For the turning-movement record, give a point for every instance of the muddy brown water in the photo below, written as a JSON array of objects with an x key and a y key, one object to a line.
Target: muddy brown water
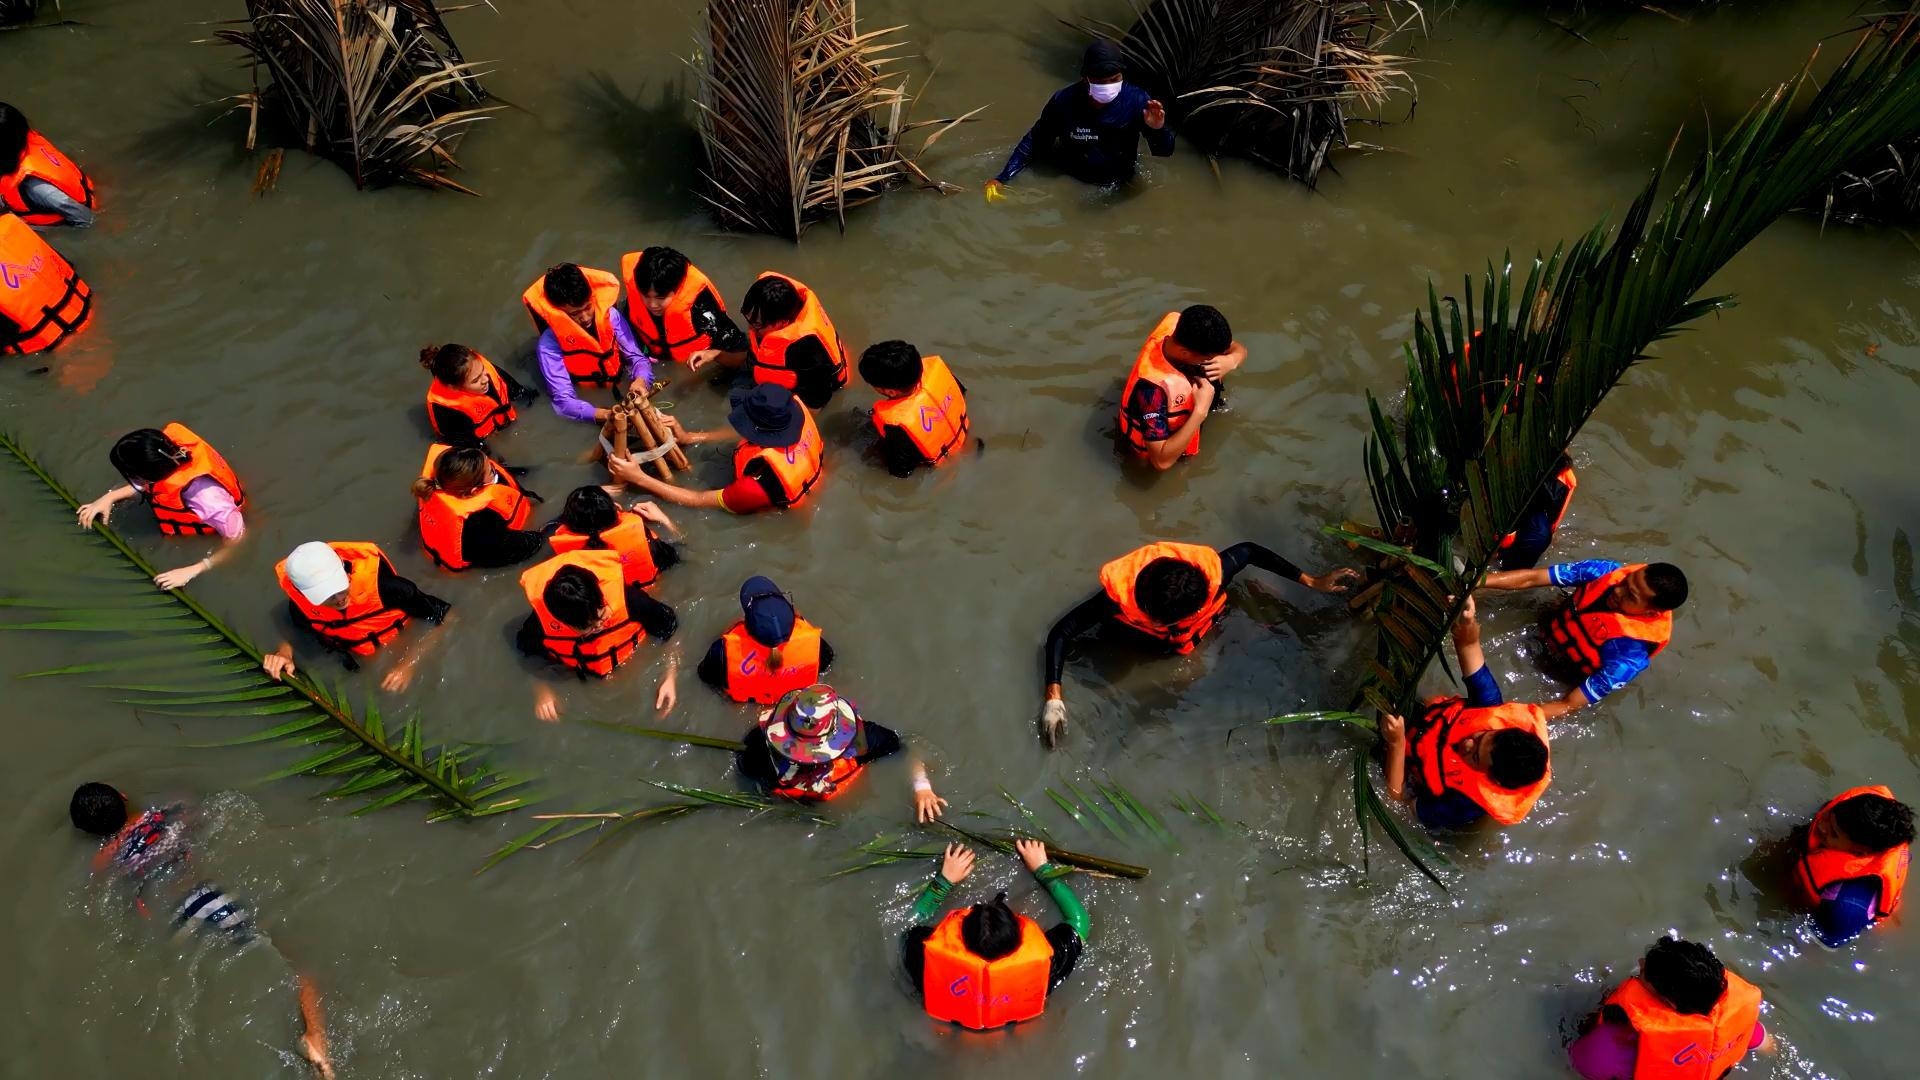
[{"x": 1769, "y": 452}]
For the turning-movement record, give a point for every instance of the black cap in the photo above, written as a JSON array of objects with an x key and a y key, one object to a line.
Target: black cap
[{"x": 1103, "y": 60}]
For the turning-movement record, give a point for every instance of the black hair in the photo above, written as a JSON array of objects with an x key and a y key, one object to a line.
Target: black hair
[
  {"x": 573, "y": 596},
  {"x": 98, "y": 808},
  {"x": 447, "y": 363},
  {"x": 589, "y": 512},
  {"x": 1669, "y": 585},
  {"x": 1686, "y": 974},
  {"x": 1518, "y": 759},
  {"x": 13, "y": 137},
  {"x": 891, "y": 365},
  {"x": 661, "y": 271},
  {"x": 146, "y": 455},
  {"x": 1204, "y": 330},
  {"x": 1875, "y": 821},
  {"x": 566, "y": 286},
  {"x": 771, "y": 300},
  {"x": 990, "y": 931},
  {"x": 459, "y": 472},
  {"x": 1169, "y": 590}
]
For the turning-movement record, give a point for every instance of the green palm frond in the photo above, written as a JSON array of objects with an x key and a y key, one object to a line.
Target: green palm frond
[{"x": 167, "y": 655}]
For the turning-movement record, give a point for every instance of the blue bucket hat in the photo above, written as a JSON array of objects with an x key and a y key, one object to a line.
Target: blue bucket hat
[{"x": 766, "y": 415}]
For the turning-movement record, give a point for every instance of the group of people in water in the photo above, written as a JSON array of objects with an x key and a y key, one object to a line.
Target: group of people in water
[{"x": 1460, "y": 759}]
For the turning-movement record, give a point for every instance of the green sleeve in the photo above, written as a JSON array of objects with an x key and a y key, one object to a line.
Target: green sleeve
[
  {"x": 1054, "y": 877},
  {"x": 933, "y": 897}
]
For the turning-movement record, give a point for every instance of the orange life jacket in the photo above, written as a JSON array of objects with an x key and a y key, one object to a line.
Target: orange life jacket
[
  {"x": 443, "y": 517},
  {"x": 1117, "y": 578},
  {"x": 629, "y": 538},
  {"x": 934, "y": 416},
  {"x": 1821, "y": 866},
  {"x": 840, "y": 775},
  {"x": 797, "y": 467},
  {"x": 1578, "y": 631},
  {"x": 591, "y": 359},
  {"x": 168, "y": 497},
  {"x": 1682, "y": 1046},
  {"x": 751, "y": 678},
  {"x": 671, "y": 335},
  {"x": 595, "y": 652},
  {"x": 42, "y": 298},
  {"x": 42, "y": 162},
  {"x": 960, "y": 986},
  {"x": 1441, "y": 769},
  {"x": 1571, "y": 483},
  {"x": 367, "y": 622},
  {"x": 489, "y": 412},
  {"x": 1153, "y": 366},
  {"x": 770, "y": 348}
]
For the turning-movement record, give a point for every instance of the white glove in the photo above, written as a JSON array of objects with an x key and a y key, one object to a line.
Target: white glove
[{"x": 1053, "y": 721}]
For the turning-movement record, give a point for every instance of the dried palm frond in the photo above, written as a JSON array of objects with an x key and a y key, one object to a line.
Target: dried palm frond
[
  {"x": 798, "y": 116},
  {"x": 1274, "y": 81},
  {"x": 377, "y": 86}
]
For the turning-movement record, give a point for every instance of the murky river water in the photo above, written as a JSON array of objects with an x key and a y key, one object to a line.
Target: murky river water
[{"x": 1769, "y": 453}]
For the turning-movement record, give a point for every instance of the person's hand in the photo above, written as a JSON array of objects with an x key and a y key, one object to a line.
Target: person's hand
[
  {"x": 1203, "y": 394},
  {"x": 1335, "y": 581},
  {"x": 927, "y": 805},
  {"x": 277, "y": 665},
  {"x": 650, "y": 511},
  {"x": 665, "y": 698},
  {"x": 1393, "y": 729},
  {"x": 1468, "y": 614},
  {"x": 1155, "y": 114},
  {"x": 1216, "y": 367},
  {"x": 399, "y": 678},
  {"x": 676, "y": 429},
  {"x": 179, "y": 576},
  {"x": 702, "y": 358},
  {"x": 957, "y": 863},
  {"x": 97, "y": 510},
  {"x": 1032, "y": 852},
  {"x": 1053, "y": 721},
  {"x": 601, "y": 416},
  {"x": 995, "y": 192},
  {"x": 624, "y": 469},
  {"x": 546, "y": 706}
]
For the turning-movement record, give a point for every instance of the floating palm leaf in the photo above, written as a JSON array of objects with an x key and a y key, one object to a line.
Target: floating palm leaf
[{"x": 170, "y": 656}]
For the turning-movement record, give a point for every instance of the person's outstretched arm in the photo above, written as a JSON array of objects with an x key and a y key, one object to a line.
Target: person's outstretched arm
[
  {"x": 1070, "y": 937},
  {"x": 1247, "y": 553},
  {"x": 553, "y": 372},
  {"x": 1040, "y": 137},
  {"x": 1086, "y": 615},
  {"x": 1508, "y": 580},
  {"x": 625, "y": 471},
  {"x": 955, "y": 865}
]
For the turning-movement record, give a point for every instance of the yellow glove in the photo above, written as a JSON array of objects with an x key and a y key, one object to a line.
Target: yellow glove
[{"x": 994, "y": 194}]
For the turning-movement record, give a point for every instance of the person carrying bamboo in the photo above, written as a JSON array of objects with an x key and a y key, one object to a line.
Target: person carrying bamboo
[
  {"x": 1092, "y": 129},
  {"x": 778, "y": 457},
  {"x": 814, "y": 744},
  {"x": 985, "y": 966},
  {"x": 349, "y": 597},
  {"x": 1618, "y": 619},
  {"x": 584, "y": 340}
]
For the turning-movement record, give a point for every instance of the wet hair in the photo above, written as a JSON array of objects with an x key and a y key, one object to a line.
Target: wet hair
[
  {"x": 447, "y": 363},
  {"x": 1204, "y": 330},
  {"x": 566, "y": 286},
  {"x": 990, "y": 931},
  {"x": 1686, "y": 974},
  {"x": 891, "y": 365},
  {"x": 459, "y": 471},
  {"x": 13, "y": 137},
  {"x": 589, "y": 512},
  {"x": 1875, "y": 821},
  {"x": 661, "y": 271},
  {"x": 98, "y": 808},
  {"x": 1169, "y": 590},
  {"x": 573, "y": 596},
  {"x": 771, "y": 300},
  {"x": 1668, "y": 584},
  {"x": 1518, "y": 759},
  {"x": 146, "y": 455}
]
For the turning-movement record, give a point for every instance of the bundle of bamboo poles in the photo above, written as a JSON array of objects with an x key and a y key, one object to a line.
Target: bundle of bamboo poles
[{"x": 637, "y": 419}]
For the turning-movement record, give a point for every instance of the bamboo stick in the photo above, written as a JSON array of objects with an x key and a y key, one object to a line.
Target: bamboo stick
[
  {"x": 648, "y": 442},
  {"x": 620, "y": 433},
  {"x": 655, "y": 421}
]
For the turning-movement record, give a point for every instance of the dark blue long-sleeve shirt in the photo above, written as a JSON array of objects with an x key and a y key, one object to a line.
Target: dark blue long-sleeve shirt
[{"x": 1099, "y": 144}]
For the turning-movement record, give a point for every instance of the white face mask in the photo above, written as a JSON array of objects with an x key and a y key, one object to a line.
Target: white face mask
[{"x": 1104, "y": 93}]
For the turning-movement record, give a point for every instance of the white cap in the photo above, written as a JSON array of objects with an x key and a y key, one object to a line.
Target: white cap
[{"x": 316, "y": 571}]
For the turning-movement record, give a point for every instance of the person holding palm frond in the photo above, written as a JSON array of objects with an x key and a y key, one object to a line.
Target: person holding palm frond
[
  {"x": 350, "y": 598},
  {"x": 1619, "y": 618},
  {"x": 1092, "y": 129},
  {"x": 814, "y": 744},
  {"x": 188, "y": 485}
]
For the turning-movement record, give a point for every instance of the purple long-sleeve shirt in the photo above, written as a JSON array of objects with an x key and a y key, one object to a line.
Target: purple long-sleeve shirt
[{"x": 553, "y": 369}]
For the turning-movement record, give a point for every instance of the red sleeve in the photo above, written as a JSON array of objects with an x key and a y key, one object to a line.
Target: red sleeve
[{"x": 745, "y": 496}]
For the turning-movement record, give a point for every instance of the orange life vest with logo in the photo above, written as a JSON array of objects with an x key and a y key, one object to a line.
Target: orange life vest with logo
[
  {"x": 1118, "y": 576},
  {"x": 1571, "y": 483},
  {"x": 961, "y": 987},
  {"x": 1152, "y": 365},
  {"x": 1441, "y": 770},
  {"x": 367, "y": 622},
  {"x": 1682, "y": 1046},
  {"x": 839, "y": 779},
  {"x": 1821, "y": 866},
  {"x": 443, "y": 517},
  {"x": 797, "y": 467},
  {"x": 934, "y": 416},
  {"x": 594, "y": 652},
  {"x": 42, "y": 162},
  {"x": 751, "y": 678},
  {"x": 591, "y": 359},
  {"x": 629, "y": 538},
  {"x": 42, "y": 299},
  {"x": 489, "y": 412},
  {"x": 770, "y": 348},
  {"x": 168, "y": 497},
  {"x": 1579, "y": 630},
  {"x": 670, "y": 335}
]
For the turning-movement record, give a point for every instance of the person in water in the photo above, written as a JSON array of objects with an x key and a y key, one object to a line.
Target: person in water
[
  {"x": 1851, "y": 861},
  {"x": 38, "y": 183},
  {"x": 469, "y": 398},
  {"x": 1163, "y": 597},
  {"x": 1619, "y": 617},
  {"x": 984, "y": 966},
  {"x": 1092, "y": 129},
  {"x": 584, "y": 340},
  {"x": 791, "y": 341},
  {"x": 149, "y": 851},
  {"x": 814, "y": 744},
  {"x": 592, "y": 521},
  {"x": 778, "y": 457},
  {"x": 769, "y": 653},
  {"x": 348, "y": 596},
  {"x": 1522, "y": 548},
  {"x": 1684, "y": 1016},
  {"x": 1175, "y": 385},
  {"x": 190, "y": 488},
  {"x": 590, "y": 620},
  {"x": 922, "y": 412},
  {"x": 472, "y": 510},
  {"x": 676, "y": 311},
  {"x": 1472, "y": 757}
]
